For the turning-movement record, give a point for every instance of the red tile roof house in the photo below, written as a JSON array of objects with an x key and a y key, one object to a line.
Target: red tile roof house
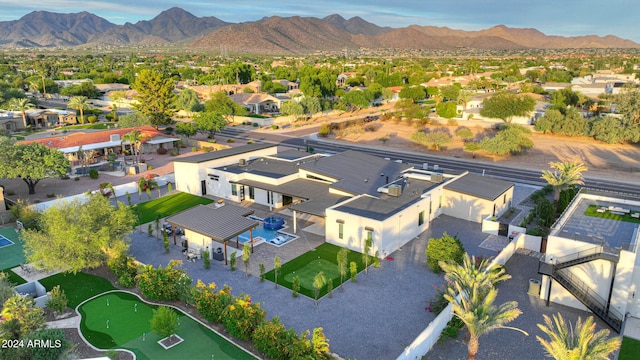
[{"x": 101, "y": 143}]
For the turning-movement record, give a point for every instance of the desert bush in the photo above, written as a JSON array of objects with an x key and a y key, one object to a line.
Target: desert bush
[
  {"x": 324, "y": 130},
  {"x": 446, "y": 248},
  {"x": 94, "y": 174}
]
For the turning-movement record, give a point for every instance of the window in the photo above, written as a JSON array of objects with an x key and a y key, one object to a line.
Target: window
[
  {"x": 421, "y": 218},
  {"x": 252, "y": 194},
  {"x": 234, "y": 189},
  {"x": 214, "y": 177},
  {"x": 504, "y": 199},
  {"x": 340, "y": 231},
  {"x": 440, "y": 205},
  {"x": 369, "y": 235}
]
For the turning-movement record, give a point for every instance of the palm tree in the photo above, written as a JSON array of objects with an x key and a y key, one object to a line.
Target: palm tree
[
  {"x": 479, "y": 314},
  {"x": 79, "y": 103},
  {"x": 134, "y": 138},
  {"x": 22, "y": 105},
  {"x": 566, "y": 343},
  {"x": 472, "y": 272},
  {"x": 564, "y": 175}
]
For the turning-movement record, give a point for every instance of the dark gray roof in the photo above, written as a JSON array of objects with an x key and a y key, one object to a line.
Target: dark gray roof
[
  {"x": 381, "y": 208},
  {"x": 220, "y": 224},
  {"x": 318, "y": 206},
  {"x": 214, "y": 155},
  {"x": 356, "y": 172},
  {"x": 302, "y": 188},
  {"x": 479, "y": 186},
  {"x": 264, "y": 167},
  {"x": 292, "y": 155}
]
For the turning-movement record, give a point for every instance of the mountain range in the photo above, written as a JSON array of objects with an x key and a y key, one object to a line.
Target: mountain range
[{"x": 276, "y": 35}]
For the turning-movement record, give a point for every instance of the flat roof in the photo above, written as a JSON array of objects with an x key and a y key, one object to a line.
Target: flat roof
[
  {"x": 318, "y": 206},
  {"x": 385, "y": 206},
  {"x": 264, "y": 167},
  {"x": 302, "y": 188},
  {"x": 292, "y": 155},
  {"x": 214, "y": 155},
  {"x": 358, "y": 172},
  {"x": 479, "y": 186},
  {"x": 220, "y": 224}
]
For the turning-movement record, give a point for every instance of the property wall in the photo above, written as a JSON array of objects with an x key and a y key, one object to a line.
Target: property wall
[
  {"x": 471, "y": 208},
  {"x": 633, "y": 305}
]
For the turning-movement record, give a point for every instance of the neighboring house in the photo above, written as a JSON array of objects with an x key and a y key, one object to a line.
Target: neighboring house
[
  {"x": 257, "y": 103},
  {"x": 11, "y": 121},
  {"x": 474, "y": 107},
  {"x": 591, "y": 263},
  {"x": 49, "y": 118},
  {"x": 354, "y": 194}
]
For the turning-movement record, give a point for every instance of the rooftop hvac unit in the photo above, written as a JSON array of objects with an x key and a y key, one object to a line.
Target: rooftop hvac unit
[
  {"x": 395, "y": 190},
  {"x": 436, "y": 167},
  {"x": 242, "y": 162},
  {"x": 425, "y": 166},
  {"x": 437, "y": 178},
  {"x": 114, "y": 137}
]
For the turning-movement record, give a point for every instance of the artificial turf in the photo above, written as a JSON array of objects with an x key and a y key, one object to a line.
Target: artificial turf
[
  {"x": 129, "y": 318},
  {"x": 591, "y": 211},
  {"x": 167, "y": 206},
  {"x": 14, "y": 278},
  {"x": 78, "y": 287},
  {"x": 630, "y": 349},
  {"x": 308, "y": 265}
]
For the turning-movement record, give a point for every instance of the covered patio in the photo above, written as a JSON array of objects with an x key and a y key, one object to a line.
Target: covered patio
[{"x": 219, "y": 222}]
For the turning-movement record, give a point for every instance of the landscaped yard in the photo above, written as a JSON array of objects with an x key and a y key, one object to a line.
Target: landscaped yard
[
  {"x": 96, "y": 126},
  {"x": 592, "y": 211},
  {"x": 167, "y": 206},
  {"x": 78, "y": 287},
  {"x": 630, "y": 349},
  {"x": 121, "y": 320},
  {"x": 307, "y": 265}
]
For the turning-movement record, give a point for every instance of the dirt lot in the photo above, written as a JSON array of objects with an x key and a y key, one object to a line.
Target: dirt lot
[{"x": 617, "y": 161}]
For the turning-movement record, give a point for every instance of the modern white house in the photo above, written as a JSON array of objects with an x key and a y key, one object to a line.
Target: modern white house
[
  {"x": 591, "y": 260},
  {"x": 355, "y": 195}
]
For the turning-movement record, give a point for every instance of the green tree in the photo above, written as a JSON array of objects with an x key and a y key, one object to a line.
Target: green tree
[
  {"x": 86, "y": 89},
  {"x": 76, "y": 235},
  {"x": 353, "y": 269},
  {"x": 366, "y": 248},
  {"x": 505, "y": 106},
  {"x": 581, "y": 342},
  {"x": 319, "y": 281},
  {"x": 32, "y": 163},
  {"x": 58, "y": 299},
  {"x": 549, "y": 120},
  {"x": 446, "y": 110},
  {"x": 22, "y": 105},
  {"x": 342, "y": 260},
  {"x": 465, "y": 134},
  {"x": 292, "y": 107},
  {"x": 573, "y": 124},
  {"x": 415, "y": 93},
  {"x": 164, "y": 321},
  {"x": 628, "y": 105},
  {"x": 320, "y": 342},
  {"x": 132, "y": 120},
  {"x": 186, "y": 129},
  {"x": 246, "y": 256},
  {"x": 221, "y": 103},
  {"x": 311, "y": 105},
  {"x": 276, "y": 268},
  {"x": 23, "y": 311},
  {"x": 477, "y": 311},
  {"x": 187, "y": 100},
  {"x": 80, "y": 103},
  {"x": 446, "y": 248},
  {"x": 564, "y": 174},
  {"x": 6, "y": 287},
  {"x": 154, "y": 96},
  {"x": 510, "y": 140},
  {"x": 472, "y": 272},
  {"x": 210, "y": 122},
  {"x": 435, "y": 139}
]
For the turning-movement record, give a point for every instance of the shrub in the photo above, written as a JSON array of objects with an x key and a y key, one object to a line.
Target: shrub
[
  {"x": 255, "y": 124},
  {"x": 194, "y": 149},
  {"x": 324, "y": 130},
  {"x": 165, "y": 241},
  {"x": 437, "y": 303},
  {"x": 250, "y": 142},
  {"x": 270, "y": 339},
  {"x": 242, "y": 317},
  {"x": 76, "y": 179},
  {"x": 452, "y": 122},
  {"x": 206, "y": 149},
  {"x": 453, "y": 328},
  {"x": 169, "y": 283},
  {"x": 446, "y": 248},
  {"x": 295, "y": 287},
  {"x": 164, "y": 321},
  {"x": 57, "y": 348},
  {"x": 51, "y": 195},
  {"x": 174, "y": 152},
  {"x": 212, "y": 141},
  {"x": 261, "y": 266},
  {"x": 230, "y": 141},
  {"x": 274, "y": 127},
  {"x": 150, "y": 229},
  {"x": 206, "y": 260},
  {"x": 162, "y": 151},
  {"x": 353, "y": 268},
  {"x": 58, "y": 299},
  {"x": 93, "y": 173},
  {"x": 211, "y": 304},
  {"x": 92, "y": 119}
]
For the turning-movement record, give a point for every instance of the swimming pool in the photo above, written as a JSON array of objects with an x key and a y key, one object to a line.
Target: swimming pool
[
  {"x": 275, "y": 237},
  {"x": 4, "y": 241}
]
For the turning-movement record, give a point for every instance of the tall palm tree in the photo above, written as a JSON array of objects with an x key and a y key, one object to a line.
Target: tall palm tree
[
  {"x": 22, "y": 105},
  {"x": 564, "y": 174},
  {"x": 480, "y": 315},
  {"x": 79, "y": 103},
  {"x": 567, "y": 343},
  {"x": 134, "y": 137},
  {"x": 471, "y": 272}
]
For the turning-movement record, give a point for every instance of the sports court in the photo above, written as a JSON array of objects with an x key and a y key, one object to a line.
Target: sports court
[{"x": 11, "y": 252}]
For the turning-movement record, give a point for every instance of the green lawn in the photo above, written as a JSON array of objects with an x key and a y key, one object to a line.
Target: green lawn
[
  {"x": 11, "y": 255},
  {"x": 78, "y": 287},
  {"x": 630, "y": 349},
  {"x": 129, "y": 318},
  {"x": 14, "y": 278},
  {"x": 591, "y": 211},
  {"x": 307, "y": 265},
  {"x": 98, "y": 126},
  {"x": 167, "y": 206}
]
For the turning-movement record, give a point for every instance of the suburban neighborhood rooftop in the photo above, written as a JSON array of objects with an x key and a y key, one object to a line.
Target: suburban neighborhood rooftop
[
  {"x": 214, "y": 155},
  {"x": 479, "y": 186}
]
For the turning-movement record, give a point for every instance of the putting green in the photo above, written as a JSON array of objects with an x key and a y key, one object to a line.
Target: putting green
[
  {"x": 309, "y": 271},
  {"x": 129, "y": 328}
]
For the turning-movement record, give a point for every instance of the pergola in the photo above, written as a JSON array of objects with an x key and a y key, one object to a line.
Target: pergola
[{"x": 221, "y": 222}]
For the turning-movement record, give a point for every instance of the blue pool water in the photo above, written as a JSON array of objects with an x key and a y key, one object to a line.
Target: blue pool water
[
  {"x": 272, "y": 236},
  {"x": 4, "y": 241}
]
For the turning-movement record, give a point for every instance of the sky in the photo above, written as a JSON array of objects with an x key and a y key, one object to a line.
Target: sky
[{"x": 557, "y": 17}]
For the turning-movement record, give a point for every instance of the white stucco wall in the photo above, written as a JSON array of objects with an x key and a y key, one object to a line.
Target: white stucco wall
[{"x": 471, "y": 208}]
